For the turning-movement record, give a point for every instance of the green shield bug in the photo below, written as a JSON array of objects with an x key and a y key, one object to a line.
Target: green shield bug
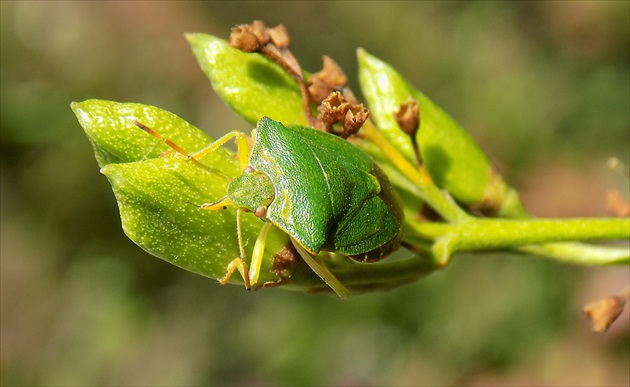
[{"x": 325, "y": 193}]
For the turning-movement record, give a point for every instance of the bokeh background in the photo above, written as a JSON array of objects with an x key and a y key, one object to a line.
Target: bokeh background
[{"x": 543, "y": 86}]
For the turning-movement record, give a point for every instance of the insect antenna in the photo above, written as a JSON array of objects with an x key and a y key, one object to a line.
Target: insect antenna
[
  {"x": 179, "y": 151},
  {"x": 168, "y": 142}
]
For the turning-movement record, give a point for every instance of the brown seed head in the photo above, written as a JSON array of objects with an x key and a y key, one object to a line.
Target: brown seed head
[
  {"x": 354, "y": 119},
  {"x": 408, "y": 117},
  {"x": 249, "y": 37},
  {"x": 333, "y": 109}
]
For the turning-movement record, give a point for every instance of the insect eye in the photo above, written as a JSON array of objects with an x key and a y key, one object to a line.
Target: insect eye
[{"x": 260, "y": 212}]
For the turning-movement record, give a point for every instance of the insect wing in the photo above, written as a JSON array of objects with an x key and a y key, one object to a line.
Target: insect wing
[{"x": 373, "y": 230}]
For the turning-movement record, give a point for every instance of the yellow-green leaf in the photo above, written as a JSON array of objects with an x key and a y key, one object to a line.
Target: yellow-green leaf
[
  {"x": 252, "y": 85},
  {"x": 452, "y": 157}
]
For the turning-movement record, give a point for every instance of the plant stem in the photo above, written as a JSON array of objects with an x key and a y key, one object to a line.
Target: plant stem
[
  {"x": 478, "y": 234},
  {"x": 571, "y": 252},
  {"x": 581, "y": 253}
]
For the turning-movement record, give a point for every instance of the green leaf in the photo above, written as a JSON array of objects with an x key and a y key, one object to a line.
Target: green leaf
[
  {"x": 158, "y": 197},
  {"x": 454, "y": 160},
  {"x": 158, "y": 201},
  {"x": 252, "y": 85},
  {"x": 116, "y": 139}
]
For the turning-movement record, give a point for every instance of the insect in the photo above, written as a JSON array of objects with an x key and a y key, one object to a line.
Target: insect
[{"x": 325, "y": 193}]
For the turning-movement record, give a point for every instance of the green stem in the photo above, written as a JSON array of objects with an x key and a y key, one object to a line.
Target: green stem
[
  {"x": 581, "y": 253},
  {"x": 486, "y": 234}
]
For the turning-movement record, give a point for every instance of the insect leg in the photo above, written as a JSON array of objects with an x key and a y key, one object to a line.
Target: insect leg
[
  {"x": 238, "y": 263},
  {"x": 322, "y": 271},
  {"x": 241, "y": 266},
  {"x": 241, "y": 144},
  {"x": 257, "y": 254}
]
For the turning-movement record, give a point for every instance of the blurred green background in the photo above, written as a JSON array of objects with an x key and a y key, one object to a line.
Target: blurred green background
[{"x": 543, "y": 86}]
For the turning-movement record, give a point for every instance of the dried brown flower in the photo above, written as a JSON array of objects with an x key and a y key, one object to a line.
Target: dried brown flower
[
  {"x": 333, "y": 109},
  {"x": 249, "y": 37},
  {"x": 355, "y": 118},
  {"x": 324, "y": 82},
  {"x": 408, "y": 117},
  {"x": 605, "y": 311},
  {"x": 279, "y": 36}
]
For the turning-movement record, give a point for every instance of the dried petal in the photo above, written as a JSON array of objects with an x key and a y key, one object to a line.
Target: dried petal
[
  {"x": 318, "y": 90},
  {"x": 258, "y": 28},
  {"x": 354, "y": 119},
  {"x": 324, "y": 82},
  {"x": 604, "y": 312},
  {"x": 332, "y": 74},
  {"x": 279, "y": 36}
]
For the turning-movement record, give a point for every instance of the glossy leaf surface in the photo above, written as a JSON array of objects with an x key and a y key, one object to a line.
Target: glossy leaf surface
[
  {"x": 250, "y": 84},
  {"x": 158, "y": 197}
]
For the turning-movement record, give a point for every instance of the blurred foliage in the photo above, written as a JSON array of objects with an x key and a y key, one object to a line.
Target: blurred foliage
[{"x": 543, "y": 86}]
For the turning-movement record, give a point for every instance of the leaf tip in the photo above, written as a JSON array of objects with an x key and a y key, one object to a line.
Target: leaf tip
[
  {"x": 103, "y": 170},
  {"x": 190, "y": 36},
  {"x": 81, "y": 113},
  {"x": 76, "y": 107},
  {"x": 198, "y": 39}
]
